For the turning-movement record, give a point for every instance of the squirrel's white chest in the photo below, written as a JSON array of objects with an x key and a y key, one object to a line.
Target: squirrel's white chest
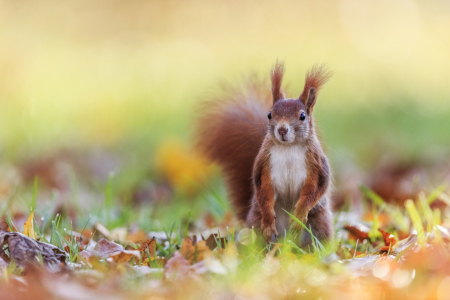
[{"x": 288, "y": 169}]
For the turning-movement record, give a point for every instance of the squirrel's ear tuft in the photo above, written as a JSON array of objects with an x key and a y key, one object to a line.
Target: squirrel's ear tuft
[
  {"x": 315, "y": 78},
  {"x": 276, "y": 76}
]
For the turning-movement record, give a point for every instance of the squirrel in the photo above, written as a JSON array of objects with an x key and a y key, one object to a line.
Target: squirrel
[{"x": 271, "y": 162}]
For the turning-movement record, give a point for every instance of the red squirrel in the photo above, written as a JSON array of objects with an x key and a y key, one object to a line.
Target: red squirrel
[{"x": 271, "y": 162}]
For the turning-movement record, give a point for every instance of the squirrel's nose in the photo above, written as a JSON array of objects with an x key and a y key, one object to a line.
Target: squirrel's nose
[{"x": 282, "y": 130}]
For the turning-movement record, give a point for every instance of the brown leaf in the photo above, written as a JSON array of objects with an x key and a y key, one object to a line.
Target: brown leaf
[
  {"x": 23, "y": 249},
  {"x": 187, "y": 248},
  {"x": 389, "y": 239},
  {"x": 211, "y": 241},
  {"x": 202, "y": 251},
  {"x": 194, "y": 253},
  {"x": 106, "y": 249},
  {"x": 357, "y": 234},
  {"x": 385, "y": 250},
  {"x": 124, "y": 256},
  {"x": 150, "y": 245},
  {"x": 176, "y": 266}
]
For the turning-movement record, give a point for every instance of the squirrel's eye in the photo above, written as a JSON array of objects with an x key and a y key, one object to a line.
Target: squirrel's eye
[
  {"x": 269, "y": 116},
  {"x": 302, "y": 116}
]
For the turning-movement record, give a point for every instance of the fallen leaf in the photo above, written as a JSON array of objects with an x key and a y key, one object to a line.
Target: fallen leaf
[
  {"x": 386, "y": 250},
  {"x": 105, "y": 248},
  {"x": 202, "y": 251},
  {"x": 177, "y": 266},
  {"x": 110, "y": 250},
  {"x": 389, "y": 239},
  {"x": 212, "y": 241},
  {"x": 24, "y": 249},
  {"x": 357, "y": 234},
  {"x": 195, "y": 253},
  {"x": 187, "y": 248},
  {"x": 150, "y": 245},
  {"x": 28, "y": 228},
  {"x": 124, "y": 256}
]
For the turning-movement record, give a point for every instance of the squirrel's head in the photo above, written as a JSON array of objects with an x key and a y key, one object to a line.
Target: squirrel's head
[{"x": 290, "y": 120}]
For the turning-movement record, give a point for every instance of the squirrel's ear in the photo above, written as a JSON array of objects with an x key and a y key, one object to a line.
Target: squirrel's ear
[
  {"x": 309, "y": 99},
  {"x": 314, "y": 81},
  {"x": 276, "y": 76}
]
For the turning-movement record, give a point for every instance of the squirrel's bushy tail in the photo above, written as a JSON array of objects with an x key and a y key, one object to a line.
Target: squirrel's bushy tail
[{"x": 230, "y": 131}]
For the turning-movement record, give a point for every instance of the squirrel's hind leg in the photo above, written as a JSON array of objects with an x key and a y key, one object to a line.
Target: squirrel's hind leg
[{"x": 320, "y": 220}]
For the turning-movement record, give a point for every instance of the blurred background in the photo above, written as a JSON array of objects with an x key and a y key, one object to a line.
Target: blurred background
[{"x": 97, "y": 98}]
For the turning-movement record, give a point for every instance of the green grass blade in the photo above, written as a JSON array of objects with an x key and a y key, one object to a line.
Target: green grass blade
[
  {"x": 434, "y": 195},
  {"x": 372, "y": 195},
  {"x": 307, "y": 229},
  {"x": 294, "y": 245},
  {"x": 416, "y": 220}
]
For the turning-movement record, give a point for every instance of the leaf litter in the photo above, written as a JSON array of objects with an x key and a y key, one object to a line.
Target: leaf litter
[
  {"x": 118, "y": 262},
  {"x": 23, "y": 249}
]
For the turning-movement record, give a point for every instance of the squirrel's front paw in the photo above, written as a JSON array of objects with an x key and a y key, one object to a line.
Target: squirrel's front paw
[
  {"x": 297, "y": 227},
  {"x": 269, "y": 231}
]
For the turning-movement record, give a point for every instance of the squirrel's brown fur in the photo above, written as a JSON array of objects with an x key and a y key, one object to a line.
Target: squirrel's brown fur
[
  {"x": 229, "y": 131},
  {"x": 270, "y": 165}
]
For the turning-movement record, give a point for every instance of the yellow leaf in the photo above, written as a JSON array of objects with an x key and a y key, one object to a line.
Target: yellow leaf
[{"x": 28, "y": 228}]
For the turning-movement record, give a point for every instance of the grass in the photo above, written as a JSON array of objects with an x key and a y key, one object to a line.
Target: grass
[{"x": 239, "y": 268}]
